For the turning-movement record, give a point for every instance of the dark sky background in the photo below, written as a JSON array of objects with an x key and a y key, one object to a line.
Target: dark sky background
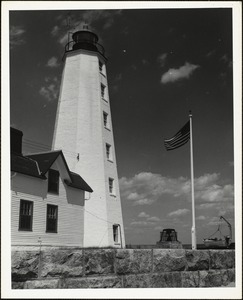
[{"x": 161, "y": 64}]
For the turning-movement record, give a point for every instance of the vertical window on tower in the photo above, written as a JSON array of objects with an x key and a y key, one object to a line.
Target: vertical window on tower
[
  {"x": 53, "y": 182},
  {"x": 25, "y": 215},
  {"x": 51, "y": 218},
  {"x": 111, "y": 187},
  {"x": 108, "y": 152},
  {"x": 102, "y": 89},
  {"x": 115, "y": 233},
  {"x": 105, "y": 119},
  {"x": 100, "y": 66}
]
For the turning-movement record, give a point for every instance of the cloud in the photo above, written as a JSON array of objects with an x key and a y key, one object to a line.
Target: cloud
[
  {"x": 200, "y": 218},
  {"x": 162, "y": 59},
  {"x": 179, "y": 212},
  {"x": 143, "y": 215},
  {"x": 51, "y": 89},
  {"x": 55, "y": 30},
  {"x": 16, "y": 36},
  {"x": 153, "y": 219},
  {"x": 52, "y": 62},
  {"x": 146, "y": 188},
  {"x": 183, "y": 72}
]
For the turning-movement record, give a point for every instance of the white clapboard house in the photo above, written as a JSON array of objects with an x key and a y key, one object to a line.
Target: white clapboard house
[{"x": 47, "y": 205}]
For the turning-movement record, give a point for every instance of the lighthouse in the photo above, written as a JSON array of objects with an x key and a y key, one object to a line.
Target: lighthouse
[{"x": 83, "y": 131}]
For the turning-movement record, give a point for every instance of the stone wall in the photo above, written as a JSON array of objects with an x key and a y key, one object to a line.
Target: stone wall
[{"x": 57, "y": 268}]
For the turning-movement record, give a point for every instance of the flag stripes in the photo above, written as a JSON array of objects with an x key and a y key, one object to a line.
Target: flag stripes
[{"x": 179, "y": 139}]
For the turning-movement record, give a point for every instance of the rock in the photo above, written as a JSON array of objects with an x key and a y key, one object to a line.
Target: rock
[
  {"x": 92, "y": 282},
  {"x": 197, "y": 260},
  {"x": 166, "y": 280},
  {"x": 222, "y": 259},
  {"x": 62, "y": 263},
  {"x": 169, "y": 260},
  {"x": 24, "y": 265},
  {"x": 190, "y": 279},
  {"x": 99, "y": 261},
  {"x": 132, "y": 261},
  {"x": 137, "y": 281}
]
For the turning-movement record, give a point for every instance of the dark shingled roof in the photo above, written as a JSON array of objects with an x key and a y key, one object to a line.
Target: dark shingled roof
[
  {"x": 45, "y": 161},
  {"x": 25, "y": 165},
  {"x": 79, "y": 183}
]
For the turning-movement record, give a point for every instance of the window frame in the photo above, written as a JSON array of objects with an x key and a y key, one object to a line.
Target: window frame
[
  {"x": 50, "y": 190},
  {"x": 116, "y": 234},
  {"x": 106, "y": 120},
  {"x": 108, "y": 150},
  {"x": 102, "y": 91},
  {"x": 48, "y": 230},
  {"x": 112, "y": 190},
  {"x": 21, "y": 228}
]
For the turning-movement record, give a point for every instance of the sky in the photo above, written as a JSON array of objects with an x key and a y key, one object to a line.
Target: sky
[{"x": 161, "y": 64}]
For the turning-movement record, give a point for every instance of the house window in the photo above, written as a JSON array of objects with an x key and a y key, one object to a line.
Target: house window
[
  {"x": 25, "y": 215},
  {"x": 102, "y": 89},
  {"x": 53, "y": 182},
  {"x": 105, "y": 118},
  {"x": 108, "y": 152},
  {"x": 115, "y": 233},
  {"x": 111, "y": 186},
  {"x": 51, "y": 218}
]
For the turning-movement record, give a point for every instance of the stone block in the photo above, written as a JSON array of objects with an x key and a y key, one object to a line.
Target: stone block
[
  {"x": 231, "y": 275},
  {"x": 210, "y": 278},
  {"x": 99, "y": 261},
  {"x": 190, "y": 279},
  {"x": 165, "y": 260},
  {"x": 92, "y": 282},
  {"x": 24, "y": 265},
  {"x": 197, "y": 260},
  {"x": 18, "y": 285},
  {"x": 131, "y": 261},
  {"x": 42, "y": 284},
  {"x": 137, "y": 281},
  {"x": 62, "y": 263},
  {"x": 166, "y": 280},
  {"x": 222, "y": 259}
]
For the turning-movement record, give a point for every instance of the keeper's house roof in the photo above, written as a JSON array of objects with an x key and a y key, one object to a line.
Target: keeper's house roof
[{"x": 37, "y": 165}]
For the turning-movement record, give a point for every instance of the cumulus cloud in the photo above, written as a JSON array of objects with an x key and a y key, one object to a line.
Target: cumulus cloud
[
  {"x": 200, "y": 218},
  {"x": 162, "y": 59},
  {"x": 53, "y": 62},
  {"x": 143, "y": 215},
  {"x": 183, "y": 72},
  {"x": 178, "y": 212},
  {"x": 146, "y": 188},
  {"x": 51, "y": 89},
  {"x": 16, "y": 36}
]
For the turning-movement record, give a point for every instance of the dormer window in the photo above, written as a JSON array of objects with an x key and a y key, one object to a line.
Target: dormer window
[{"x": 53, "y": 182}]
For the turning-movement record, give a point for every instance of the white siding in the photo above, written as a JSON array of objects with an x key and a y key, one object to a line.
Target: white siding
[{"x": 70, "y": 202}]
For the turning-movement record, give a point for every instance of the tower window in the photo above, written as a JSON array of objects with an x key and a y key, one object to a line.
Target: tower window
[
  {"x": 25, "y": 215},
  {"x": 115, "y": 233},
  {"x": 105, "y": 118},
  {"x": 100, "y": 66},
  {"x": 108, "y": 152},
  {"x": 51, "y": 218},
  {"x": 102, "y": 88},
  {"x": 53, "y": 182},
  {"x": 111, "y": 186}
]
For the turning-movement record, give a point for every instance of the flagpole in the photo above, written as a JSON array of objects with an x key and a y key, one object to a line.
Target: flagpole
[{"x": 193, "y": 230}]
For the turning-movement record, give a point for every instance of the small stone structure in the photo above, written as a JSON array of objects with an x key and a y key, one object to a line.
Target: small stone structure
[{"x": 75, "y": 268}]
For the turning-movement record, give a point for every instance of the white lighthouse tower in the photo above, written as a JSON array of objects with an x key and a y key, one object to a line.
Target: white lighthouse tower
[{"x": 83, "y": 130}]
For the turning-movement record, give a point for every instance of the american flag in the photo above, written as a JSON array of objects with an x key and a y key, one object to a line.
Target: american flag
[{"x": 179, "y": 139}]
